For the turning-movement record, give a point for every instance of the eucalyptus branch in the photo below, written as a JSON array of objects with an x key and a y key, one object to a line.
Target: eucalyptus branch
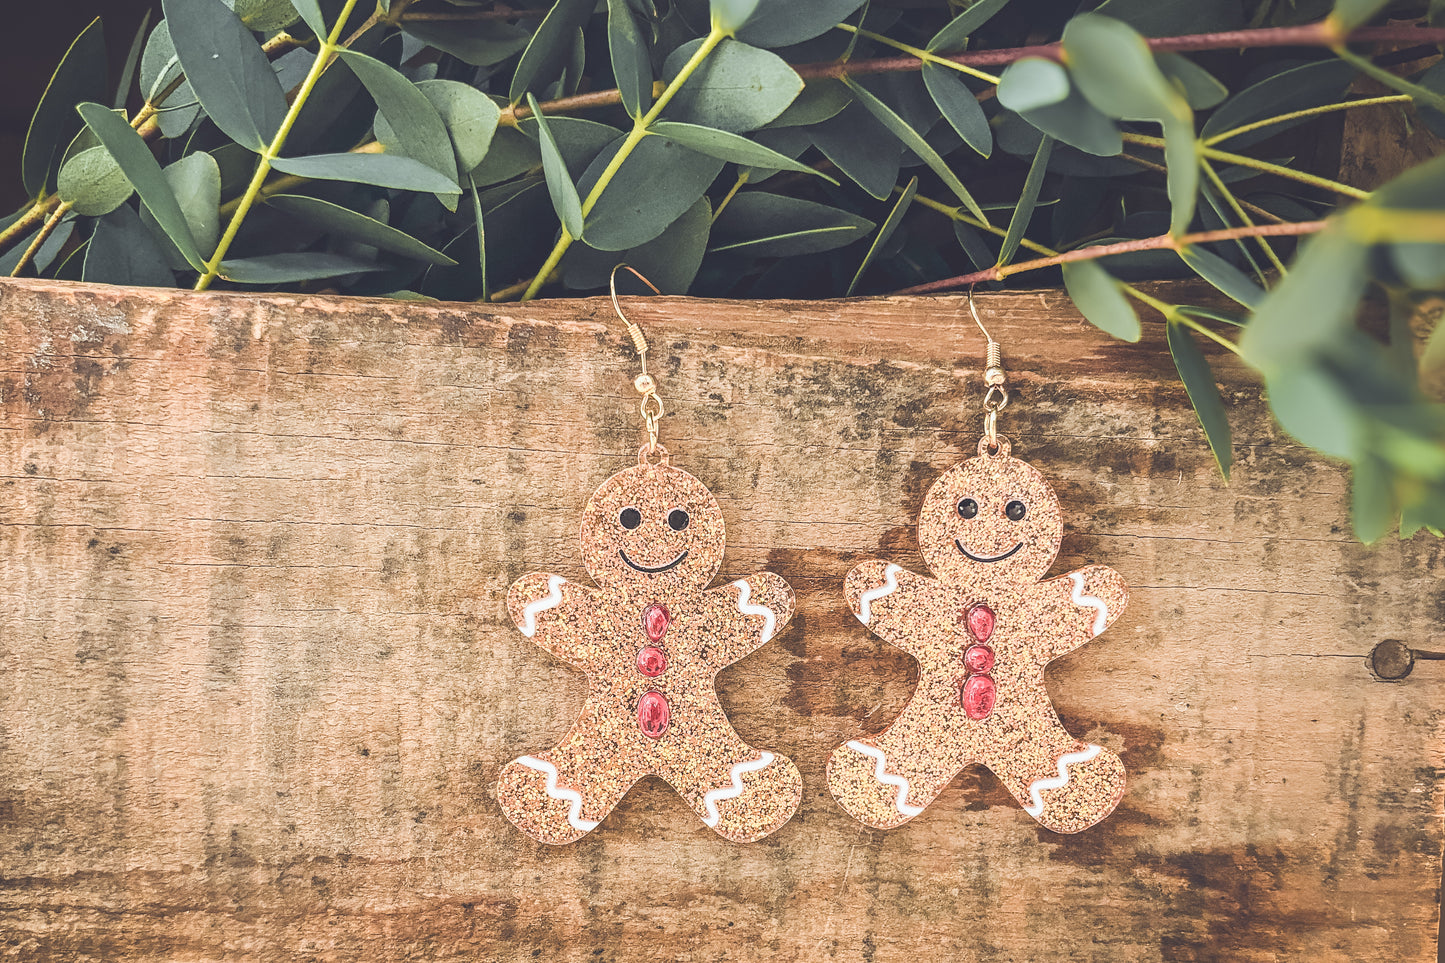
[
  {"x": 1266, "y": 167},
  {"x": 1239, "y": 212},
  {"x": 329, "y": 46},
  {"x": 1308, "y": 112},
  {"x": 50, "y": 225},
  {"x": 1159, "y": 242}
]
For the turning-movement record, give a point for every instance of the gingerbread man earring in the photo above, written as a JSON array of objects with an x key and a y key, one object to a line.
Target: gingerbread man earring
[
  {"x": 651, "y": 638},
  {"x": 982, "y": 631}
]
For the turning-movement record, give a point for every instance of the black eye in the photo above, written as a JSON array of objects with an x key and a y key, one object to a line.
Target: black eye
[
  {"x": 1015, "y": 510},
  {"x": 968, "y": 508},
  {"x": 677, "y": 519},
  {"x": 630, "y": 518}
]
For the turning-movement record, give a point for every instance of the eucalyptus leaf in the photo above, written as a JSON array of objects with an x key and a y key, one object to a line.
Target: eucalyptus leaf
[
  {"x": 1101, "y": 300},
  {"x": 351, "y": 224},
  {"x": 821, "y": 99},
  {"x": 310, "y": 11},
  {"x": 418, "y": 127},
  {"x": 468, "y": 115},
  {"x": 1077, "y": 123},
  {"x": 889, "y": 226},
  {"x": 559, "y": 183},
  {"x": 510, "y": 153},
  {"x": 862, "y": 148},
  {"x": 1229, "y": 279},
  {"x": 290, "y": 268},
  {"x": 578, "y": 141},
  {"x": 1028, "y": 199},
  {"x": 132, "y": 63},
  {"x": 481, "y": 43},
  {"x": 959, "y": 107},
  {"x": 1312, "y": 307},
  {"x": 1031, "y": 83},
  {"x": 382, "y": 170},
  {"x": 730, "y": 147},
  {"x": 1204, "y": 395},
  {"x": 227, "y": 69},
  {"x": 782, "y": 23},
  {"x": 631, "y": 63},
  {"x": 1349, "y": 14},
  {"x": 123, "y": 251},
  {"x": 195, "y": 181},
  {"x": 915, "y": 142},
  {"x": 960, "y": 28},
  {"x": 1155, "y": 19},
  {"x": 550, "y": 48},
  {"x": 145, "y": 174},
  {"x": 670, "y": 260},
  {"x": 92, "y": 183},
  {"x": 265, "y": 16},
  {"x": 1201, "y": 89},
  {"x": 773, "y": 225},
  {"x": 1314, "y": 407},
  {"x": 1287, "y": 91},
  {"x": 655, "y": 185},
  {"x": 80, "y": 76},
  {"x": 737, "y": 88}
]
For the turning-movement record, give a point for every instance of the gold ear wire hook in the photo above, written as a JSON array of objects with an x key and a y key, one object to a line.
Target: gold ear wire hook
[
  {"x": 652, "y": 409},
  {"x": 995, "y": 399}
]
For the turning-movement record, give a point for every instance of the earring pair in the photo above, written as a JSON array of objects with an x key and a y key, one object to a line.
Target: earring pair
[{"x": 652, "y": 637}]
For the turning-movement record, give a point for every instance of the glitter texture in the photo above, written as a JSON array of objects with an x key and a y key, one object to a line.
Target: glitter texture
[
  {"x": 1065, "y": 784},
  {"x": 741, "y": 792}
]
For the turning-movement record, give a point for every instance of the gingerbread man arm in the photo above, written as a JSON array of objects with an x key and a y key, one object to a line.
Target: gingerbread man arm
[
  {"x": 555, "y": 614},
  {"x": 1088, "y": 601},
  {"x": 744, "y": 614},
  {"x": 885, "y": 597}
]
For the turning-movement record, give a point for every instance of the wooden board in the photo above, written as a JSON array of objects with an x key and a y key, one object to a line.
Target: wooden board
[{"x": 258, "y": 679}]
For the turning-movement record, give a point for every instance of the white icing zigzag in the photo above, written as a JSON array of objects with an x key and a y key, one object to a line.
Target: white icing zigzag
[
  {"x": 881, "y": 773},
  {"x": 574, "y": 814},
  {"x": 1090, "y": 602},
  {"x": 711, "y": 800},
  {"x": 552, "y": 600},
  {"x": 866, "y": 600},
  {"x": 1039, "y": 786},
  {"x": 744, "y": 593}
]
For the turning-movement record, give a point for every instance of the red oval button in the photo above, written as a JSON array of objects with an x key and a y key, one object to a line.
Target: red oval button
[
  {"x": 978, "y": 658},
  {"x": 980, "y": 622},
  {"x": 655, "y": 619},
  {"x": 653, "y": 714},
  {"x": 651, "y": 661},
  {"x": 979, "y": 695}
]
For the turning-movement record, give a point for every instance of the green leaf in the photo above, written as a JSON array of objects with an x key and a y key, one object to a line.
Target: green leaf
[
  {"x": 782, "y": 23},
  {"x": 123, "y": 251},
  {"x": 93, "y": 183},
  {"x": 953, "y": 36},
  {"x": 730, "y": 147},
  {"x": 1155, "y": 19},
  {"x": 959, "y": 107},
  {"x": 195, "y": 181},
  {"x": 1210, "y": 314},
  {"x": 290, "y": 268},
  {"x": 79, "y": 77},
  {"x": 578, "y": 141},
  {"x": 631, "y": 63},
  {"x": 1312, "y": 307},
  {"x": 655, "y": 185},
  {"x": 132, "y": 63},
  {"x": 382, "y": 170},
  {"x": 862, "y": 148},
  {"x": 915, "y": 142},
  {"x": 550, "y": 49},
  {"x": 481, "y": 43},
  {"x": 468, "y": 115},
  {"x": 730, "y": 15},
  {"x": 772, "y": 225},
  {"x": 1313, "y": 407},
  {"x": 1347, "y": 15},
  {"x": 145, "y": 174},
  {"x": 159, "y": 67},
  {"x": 348, "y": 223},
  {"x": 821, "y": 99},
  {"x": 1100, "y": 299},
  {"x": 1077, "y": 123},
  {"x": 227, "y": 69},
  {"x": 1028, "y": 200},
  {"x": 1297, "y": 88},
  {"x": 1200, "y": 88},
  {"x": 264, "y": 16},
  {"x": 1226, "y": 277},
  {"x": 890, "y": 224},
  {"x": 481, "y": 231},
  {"x": 669, "y": 260},
  {"x": 1203, "y": 393},
  {"x": 737, "y": 88},
  {"x": 1031, "y": 83},
  {"x": 410, "y": 117},
  {"x": 559, "y": 183},
  {"x": 1372, "y": 499},
  {"x": 310, "y": 11},
  {"x": 1422, "y": 266},
  {"x": 511, "y": 153}
]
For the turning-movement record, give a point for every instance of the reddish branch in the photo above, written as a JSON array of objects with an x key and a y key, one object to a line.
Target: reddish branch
[{"x": 1163, "y": 241}]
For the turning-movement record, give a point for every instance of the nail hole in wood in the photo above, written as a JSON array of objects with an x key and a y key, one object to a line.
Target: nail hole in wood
[{"x": 1391, "y": 660}]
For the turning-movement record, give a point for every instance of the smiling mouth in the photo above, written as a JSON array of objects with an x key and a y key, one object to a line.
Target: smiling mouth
[
  {"x": 987, "y": 558},
  {"x": 653, "y": 570}
]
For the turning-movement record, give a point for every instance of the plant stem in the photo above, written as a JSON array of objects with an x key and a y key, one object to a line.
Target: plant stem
[
  {"x": 1159, "y": 242},
  {"x": 1213, "y": 153},
  {"x": 1369, "y": 68},
  {"x": 923, "y": 56},
  {"x": 1233, "y": 203},
  {"x": 1184, "y": 319},
  {"x": 728, "y": 197},
  {"x": 36, "y": 215},
  {"x": 634, "y": 137},
  {"x": 273, "y": 149},
  {"x": 1309, "y": 112},
  {"x": 50, "y": 225}
]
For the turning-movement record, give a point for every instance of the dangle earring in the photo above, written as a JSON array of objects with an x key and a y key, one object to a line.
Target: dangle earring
[
  {"x": 651, "y": 638},
  {"x": 982, "y": 631}
]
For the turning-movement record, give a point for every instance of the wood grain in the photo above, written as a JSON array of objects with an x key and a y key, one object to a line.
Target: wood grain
[{"x": 258, "y": 680}]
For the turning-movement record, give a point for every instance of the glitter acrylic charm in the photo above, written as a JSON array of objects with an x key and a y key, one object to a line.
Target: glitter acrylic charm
[{"x": 982, "y": 631}]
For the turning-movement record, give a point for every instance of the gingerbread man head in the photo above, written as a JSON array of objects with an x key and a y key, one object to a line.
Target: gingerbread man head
[
  {"x": 652, "y": 528},
  {"x": 991, "y": 519}
]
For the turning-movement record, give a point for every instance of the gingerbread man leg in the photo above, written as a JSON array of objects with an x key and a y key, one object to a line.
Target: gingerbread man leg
[
  {"x": 561, "y": 795},
  {"x": 1066, "y": 784},
  {"x": 742, "y": 793},
  {"x": 886, "y": 780}
]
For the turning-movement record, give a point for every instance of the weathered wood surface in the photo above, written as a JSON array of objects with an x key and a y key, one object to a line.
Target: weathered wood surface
[{"x": 258, "y": 680}]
